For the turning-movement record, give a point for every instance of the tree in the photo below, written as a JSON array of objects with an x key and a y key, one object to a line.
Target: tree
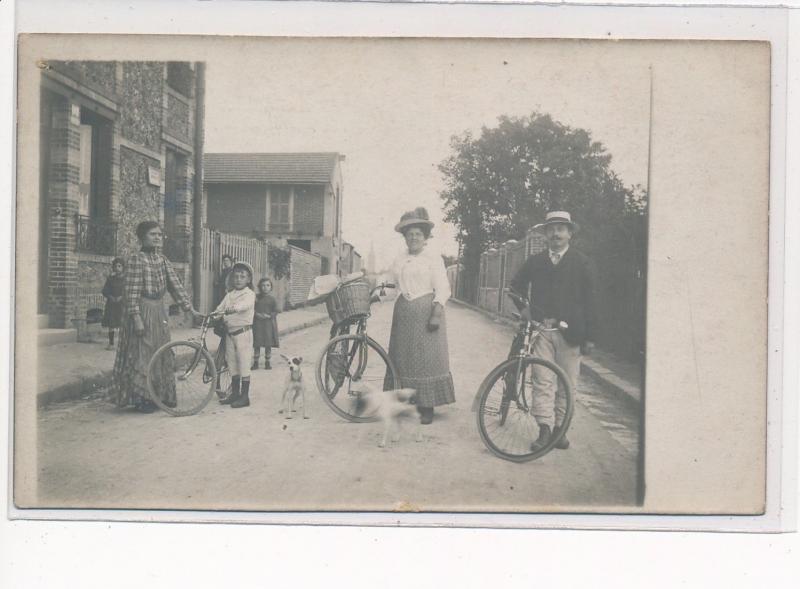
[{"x": 502, "y": 183}]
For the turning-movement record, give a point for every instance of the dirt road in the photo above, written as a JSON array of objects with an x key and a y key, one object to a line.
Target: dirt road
[{"x": 92, "y": 454}]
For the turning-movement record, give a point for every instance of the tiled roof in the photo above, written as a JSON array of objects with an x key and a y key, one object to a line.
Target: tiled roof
[{"x": 315, "y": 168}]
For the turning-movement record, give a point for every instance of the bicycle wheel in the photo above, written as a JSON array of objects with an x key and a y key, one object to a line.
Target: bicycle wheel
[
  {"x": 177, "y": 377},
  {"x": 223, "y": 376},
  {"x": 348, "y": 362},
  {"x": 505, "y": 422}
]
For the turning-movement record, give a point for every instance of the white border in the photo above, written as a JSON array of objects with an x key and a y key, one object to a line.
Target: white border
[{"x": 329, "y": 19}]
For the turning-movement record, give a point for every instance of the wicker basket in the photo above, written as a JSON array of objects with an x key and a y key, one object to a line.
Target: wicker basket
[{"x": 349, "y": 302}]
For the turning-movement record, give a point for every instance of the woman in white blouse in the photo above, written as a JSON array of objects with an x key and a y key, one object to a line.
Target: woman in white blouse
[{"x": 418, "y": 342}]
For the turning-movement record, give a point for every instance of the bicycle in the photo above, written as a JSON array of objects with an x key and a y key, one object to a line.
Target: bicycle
[
  {"x": 198, "y": 375},
  {"x": 505, "y": 398},
  {"x": 345, "y": 359}
]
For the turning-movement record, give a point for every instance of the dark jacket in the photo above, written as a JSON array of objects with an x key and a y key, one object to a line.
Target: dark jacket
[{"x": 565, "y": 292}]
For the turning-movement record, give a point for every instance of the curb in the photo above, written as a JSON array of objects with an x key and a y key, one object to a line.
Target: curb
[
  {"x": 618, "y": 386},
  {"x": 90, "y": 385}
]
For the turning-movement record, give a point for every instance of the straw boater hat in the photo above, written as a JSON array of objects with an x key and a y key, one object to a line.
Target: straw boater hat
[
  {"x": 418, "y": 216},
  {"x": 246, "y": 266},
  {"x": 554, "y": 217}
]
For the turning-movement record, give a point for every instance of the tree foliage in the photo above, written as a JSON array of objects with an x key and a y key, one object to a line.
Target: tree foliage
[{"x": 501, "y": 183}]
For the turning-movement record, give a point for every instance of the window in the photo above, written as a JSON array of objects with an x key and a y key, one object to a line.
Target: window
[
  {"x": 279, "y": 207},
  {"x": 96, "y": 230}
]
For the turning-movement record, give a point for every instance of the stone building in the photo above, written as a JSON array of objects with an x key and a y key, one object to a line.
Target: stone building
[
  {"x": 285, "y": 198},
  {"x": 119, "y": 144}
]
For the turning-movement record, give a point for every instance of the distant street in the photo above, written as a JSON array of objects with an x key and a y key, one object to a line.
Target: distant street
[{"x": 92, "y": 454}]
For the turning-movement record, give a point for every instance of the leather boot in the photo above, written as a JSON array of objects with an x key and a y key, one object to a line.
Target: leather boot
[
  {"x": 543, "y": 439},
  {"x": 267, "y": 365},
  {"x": 243, "y": 400},
  {"x": 235, "y": 384},
  {"x": 563, "y": 443},
  {"x": 254, "y": 366}
]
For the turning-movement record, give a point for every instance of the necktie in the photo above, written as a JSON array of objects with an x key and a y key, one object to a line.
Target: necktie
[{"x": 555, "y": 257}]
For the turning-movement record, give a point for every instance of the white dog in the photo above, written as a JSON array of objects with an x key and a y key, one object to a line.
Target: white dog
[
  {"x": 294, "y": 388},
  {"x": 390, "y": 407}
]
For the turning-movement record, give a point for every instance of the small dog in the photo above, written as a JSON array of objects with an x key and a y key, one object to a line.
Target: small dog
[
  {"x": 294, "y": 388},
  {"x": 388, "y": 406}
]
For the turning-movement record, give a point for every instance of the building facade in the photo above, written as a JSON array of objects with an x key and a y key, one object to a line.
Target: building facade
[
  {"x": 119, "y": 144},
  {"x": 288, "y": 199}
]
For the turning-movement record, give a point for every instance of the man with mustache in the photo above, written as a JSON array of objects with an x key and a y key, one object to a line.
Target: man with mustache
[{"x": 562, "y": 289}]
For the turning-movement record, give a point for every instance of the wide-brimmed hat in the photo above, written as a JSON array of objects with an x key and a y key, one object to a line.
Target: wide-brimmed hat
[
  {"x": 246, "y": 266},
  {"x": 554, "y": 217},
  {"x": 418, "y": 216}
]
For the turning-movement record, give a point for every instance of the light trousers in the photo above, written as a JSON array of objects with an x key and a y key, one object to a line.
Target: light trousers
[
  {"x": 549, "y": 397},
  {"x": 239, "y": 353}
]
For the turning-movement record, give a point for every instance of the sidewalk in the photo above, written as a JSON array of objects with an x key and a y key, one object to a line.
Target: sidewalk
[
  {"x": 74, "y": 370},
  {"x": 621, "y": 376}
]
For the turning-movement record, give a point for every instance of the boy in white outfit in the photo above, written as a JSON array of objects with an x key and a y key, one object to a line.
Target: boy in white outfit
[{"x": 238, "y": 308}]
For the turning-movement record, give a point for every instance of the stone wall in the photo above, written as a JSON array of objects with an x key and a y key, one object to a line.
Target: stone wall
[
  {"x": 140, "y": 104},
  {"x": 139, "y": 201}
]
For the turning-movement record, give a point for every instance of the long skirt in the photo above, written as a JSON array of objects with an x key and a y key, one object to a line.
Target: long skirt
[
  {"x": 129, "y": 380},
  {"x": 420, "y": 356},
  {"x": 112, "y": 315}
]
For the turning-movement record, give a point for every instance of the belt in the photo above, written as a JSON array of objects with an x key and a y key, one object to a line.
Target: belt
[
  {"x": 154, "y": 297},
  {"x": 240, "y": 331}
]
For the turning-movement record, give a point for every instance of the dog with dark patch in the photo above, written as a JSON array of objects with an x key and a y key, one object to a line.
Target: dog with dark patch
[
  {"x": 390, "y": 407},
  {"x": 294, "y": 388}
]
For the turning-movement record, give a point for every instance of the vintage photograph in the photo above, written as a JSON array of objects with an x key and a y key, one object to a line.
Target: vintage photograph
[{"x": 343, "y": 275}]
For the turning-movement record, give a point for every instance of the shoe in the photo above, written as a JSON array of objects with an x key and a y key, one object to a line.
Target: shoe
[
  {"x": 170, "y": 404},
  {"x": 426, "y": 415},
  {"x": 543, "y": 439},
  {"x": 243, "y": 400},
  {"x": 563, "y": 443},
  {"x": 110, "y": 347},
  {"x": 146, "y": 406},
  {"x": 267, "y": 365},
  {"x": 255, "y": 365},
  {"x": 235, "y": 382}
]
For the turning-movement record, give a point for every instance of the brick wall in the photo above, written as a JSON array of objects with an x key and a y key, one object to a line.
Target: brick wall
[
  {"x": 135, "y": 143},
  {"x": 304, "y": 268},
  {"x": 236, "y": 208}
]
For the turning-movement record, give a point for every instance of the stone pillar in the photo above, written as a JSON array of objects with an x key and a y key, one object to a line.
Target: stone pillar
[{"x": 63, "y": 201}]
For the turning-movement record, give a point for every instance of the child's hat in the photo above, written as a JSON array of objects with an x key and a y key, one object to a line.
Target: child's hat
[{"x": 239, "y": 266}]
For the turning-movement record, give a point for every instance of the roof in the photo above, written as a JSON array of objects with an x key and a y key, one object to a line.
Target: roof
[{"x": 273, "y": 168}]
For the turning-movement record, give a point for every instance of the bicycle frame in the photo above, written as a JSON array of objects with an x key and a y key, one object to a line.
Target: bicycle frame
[{"x": 361, "y": 333}]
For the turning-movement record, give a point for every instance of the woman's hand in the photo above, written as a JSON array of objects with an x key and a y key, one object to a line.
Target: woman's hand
[
  {"x": 435, "y": 319},
  {"x": 138, "y": 326}
]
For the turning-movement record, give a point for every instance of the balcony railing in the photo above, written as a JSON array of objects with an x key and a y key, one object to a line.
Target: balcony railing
[
  {"x": 295, "y": 229},
  {"x": 96, "y": 235}
]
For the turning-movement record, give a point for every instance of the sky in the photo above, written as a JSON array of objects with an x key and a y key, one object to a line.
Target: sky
[{"x": 391, "y": 107}]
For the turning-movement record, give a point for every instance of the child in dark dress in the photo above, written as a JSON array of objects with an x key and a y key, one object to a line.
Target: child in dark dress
[
  {"x": 114, "y": 290},
  {"x": 265, "y": 323}
]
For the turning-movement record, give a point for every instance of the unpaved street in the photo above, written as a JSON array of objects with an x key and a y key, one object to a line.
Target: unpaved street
[{"x": 92, "y": 454}]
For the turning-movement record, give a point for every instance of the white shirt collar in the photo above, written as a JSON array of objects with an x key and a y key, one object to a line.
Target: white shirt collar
[{"x": 562, "y": 253}]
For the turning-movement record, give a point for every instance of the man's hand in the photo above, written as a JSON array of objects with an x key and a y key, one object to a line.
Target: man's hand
[
  {"x": 586, "y": 348},
  {"x": 138, "y": 326}
]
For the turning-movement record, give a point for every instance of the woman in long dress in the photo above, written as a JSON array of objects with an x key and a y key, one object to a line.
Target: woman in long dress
[
  {"x": 418, "y": 341},
  {"x": 145, "y": 325}
]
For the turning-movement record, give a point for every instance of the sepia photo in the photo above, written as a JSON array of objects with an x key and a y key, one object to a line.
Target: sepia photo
[{"x": 391, "y": 275}]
